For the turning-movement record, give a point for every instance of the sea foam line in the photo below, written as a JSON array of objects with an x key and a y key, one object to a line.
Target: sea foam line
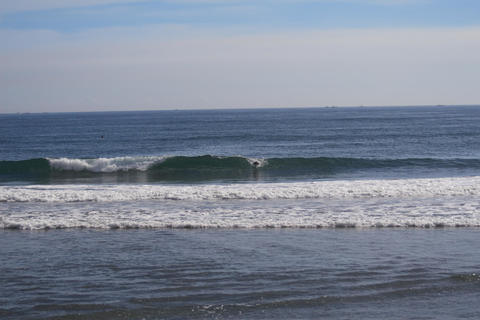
[
  {"x": 316, "y": 213},
  {"x": 404, "y": 188}
]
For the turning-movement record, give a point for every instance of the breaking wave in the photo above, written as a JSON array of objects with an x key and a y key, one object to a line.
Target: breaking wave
[
  {"x": 208, "y": 167},
  {"x": 444, "y": 202},
  {"x": 340, "y": 189},
  {"x": 439, "y": 202}
]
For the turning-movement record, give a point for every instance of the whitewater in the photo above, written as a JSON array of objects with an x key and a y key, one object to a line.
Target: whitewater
[
  {"x": 405, "y": 188},
  {"x": 445, "y": 202}
]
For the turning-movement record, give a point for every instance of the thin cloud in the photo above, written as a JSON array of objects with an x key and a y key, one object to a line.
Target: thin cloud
[
  {"x": 34, "y": 5},
  {"x": 210, "y": 69}
]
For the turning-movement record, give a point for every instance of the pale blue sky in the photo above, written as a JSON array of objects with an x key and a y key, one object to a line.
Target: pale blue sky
[
  {"x": 74, "y": 55},
  {"x": 71, "y": 17}
]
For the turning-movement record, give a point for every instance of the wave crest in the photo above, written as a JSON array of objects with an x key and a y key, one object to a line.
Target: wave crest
[
  {"x": 209, "y": 167},
  {"x": 104, "y": 164}
]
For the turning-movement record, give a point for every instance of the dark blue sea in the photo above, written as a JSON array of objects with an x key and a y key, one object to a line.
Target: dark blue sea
[{"x": 335, "y": 213}]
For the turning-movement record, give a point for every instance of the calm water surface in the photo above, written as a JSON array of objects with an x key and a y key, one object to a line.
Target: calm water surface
[{"x": 240, "y": 274}]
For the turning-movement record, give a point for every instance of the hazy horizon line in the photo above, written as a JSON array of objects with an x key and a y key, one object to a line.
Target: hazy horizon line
[{"x": 186, "y": 108}]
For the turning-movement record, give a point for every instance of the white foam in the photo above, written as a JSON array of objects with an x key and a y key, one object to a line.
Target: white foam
[
  {"x": 432, "y": 212},
  {"x": 406, "y": 188},
  {"x": 120, "y": 163},
  {"x": 447, "y": 202},
  {"x": 104, "y": 164},
  {"x": 257, "y": 162}
]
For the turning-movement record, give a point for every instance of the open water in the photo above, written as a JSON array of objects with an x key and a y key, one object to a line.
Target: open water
[{"x": 271, "y": 213}]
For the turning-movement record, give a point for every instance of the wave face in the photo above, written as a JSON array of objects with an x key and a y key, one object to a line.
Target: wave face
[
  {"x": 441, "y": 202},
  {"x": 38, "y": 166},
  {"x": 208, "y": 167}
]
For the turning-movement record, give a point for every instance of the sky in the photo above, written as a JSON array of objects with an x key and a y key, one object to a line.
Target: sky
[{"x": 102, "y": 55}]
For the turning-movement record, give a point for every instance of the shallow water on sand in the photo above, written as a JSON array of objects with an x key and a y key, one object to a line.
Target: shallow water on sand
[{"x": 240, "y": 274}]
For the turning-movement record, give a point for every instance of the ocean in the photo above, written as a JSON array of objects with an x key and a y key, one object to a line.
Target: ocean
[{"x": 308, "y": 213}]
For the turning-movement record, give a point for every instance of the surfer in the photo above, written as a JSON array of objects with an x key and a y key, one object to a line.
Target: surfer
[{"x": 255, "y": 164}]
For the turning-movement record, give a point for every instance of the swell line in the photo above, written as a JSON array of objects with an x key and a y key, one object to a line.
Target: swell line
[{"x": 207, "y": 167}]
